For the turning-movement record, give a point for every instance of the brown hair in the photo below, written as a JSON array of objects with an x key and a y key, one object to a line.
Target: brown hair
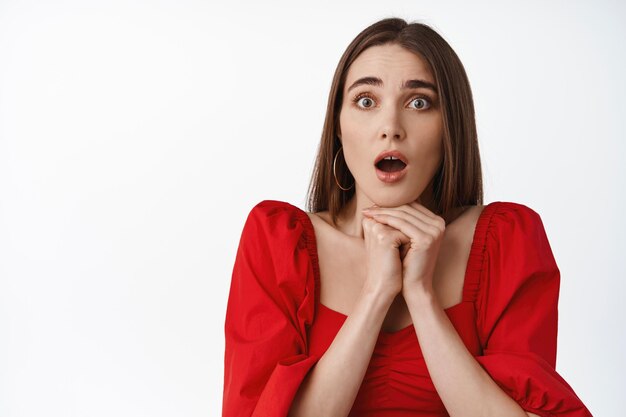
[{"x": 458, "y": 182}]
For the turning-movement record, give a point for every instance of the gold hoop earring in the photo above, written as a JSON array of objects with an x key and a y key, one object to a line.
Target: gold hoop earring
[{"x": 335, "y": 172}]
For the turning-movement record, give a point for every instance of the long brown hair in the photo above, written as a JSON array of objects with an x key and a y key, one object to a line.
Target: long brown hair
[{"x": 458, "y": 182}]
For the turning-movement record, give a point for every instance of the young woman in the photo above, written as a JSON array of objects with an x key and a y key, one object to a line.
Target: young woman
[{"x": 427, "y": 303}]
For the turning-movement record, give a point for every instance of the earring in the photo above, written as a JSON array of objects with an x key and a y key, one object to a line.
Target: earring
[{"x": 335, "y": 172}]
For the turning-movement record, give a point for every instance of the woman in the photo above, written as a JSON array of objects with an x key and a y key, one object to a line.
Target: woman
[{"x": 428, "y": 303}]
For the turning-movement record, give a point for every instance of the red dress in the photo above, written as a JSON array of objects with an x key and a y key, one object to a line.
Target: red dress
[{"x": 276, "y": 329}]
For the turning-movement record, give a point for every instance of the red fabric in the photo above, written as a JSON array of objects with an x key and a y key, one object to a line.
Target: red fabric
[{"x": 276, "y": 329}]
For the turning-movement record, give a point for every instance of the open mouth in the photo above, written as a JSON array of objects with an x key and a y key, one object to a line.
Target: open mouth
[{"x": 390, "y": 164}]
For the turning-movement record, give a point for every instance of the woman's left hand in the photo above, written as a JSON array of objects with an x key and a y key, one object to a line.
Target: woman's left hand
[{"x": 424, "y": 231}]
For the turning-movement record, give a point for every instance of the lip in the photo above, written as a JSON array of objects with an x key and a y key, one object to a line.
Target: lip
[
  {"x": 391, "y": 177},
  {"x": 394, "y": 153}
]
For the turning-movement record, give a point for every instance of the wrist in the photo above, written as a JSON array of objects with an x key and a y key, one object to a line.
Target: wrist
[
  {"x": 382, "y": 293},
  {"x": 419, "y": 294}
]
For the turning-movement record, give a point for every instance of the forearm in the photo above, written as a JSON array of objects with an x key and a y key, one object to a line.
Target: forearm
[
  {"x": 463, "y": 385},
  {"x": 333, "y": 383}
]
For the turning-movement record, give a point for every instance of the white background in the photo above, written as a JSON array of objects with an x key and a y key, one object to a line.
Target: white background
[{"x": 136, "y": 136}]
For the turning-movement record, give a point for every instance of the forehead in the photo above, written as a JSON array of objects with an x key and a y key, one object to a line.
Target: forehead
[{"x": 390, "y": 62}]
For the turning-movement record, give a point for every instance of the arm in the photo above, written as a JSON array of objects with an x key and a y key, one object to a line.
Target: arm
[
  {"x": 332, "y": 385},
  {"x": 517, "y": 321},
  {"x": 269, "y": 307},
  {"x": 463, "y": 385},
  {"x": 516, "y": 317}
]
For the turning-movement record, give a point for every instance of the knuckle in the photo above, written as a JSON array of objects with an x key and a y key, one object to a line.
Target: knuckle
[
  {"x": 427, "y": 240},
  {"x": 381, "y": 237}
]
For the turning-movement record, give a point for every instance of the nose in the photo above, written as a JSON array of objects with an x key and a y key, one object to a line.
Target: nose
[{"x": 391, "y": 125}]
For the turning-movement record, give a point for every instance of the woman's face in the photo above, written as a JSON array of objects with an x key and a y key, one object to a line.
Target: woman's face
[{"x": 382, "y": 110}]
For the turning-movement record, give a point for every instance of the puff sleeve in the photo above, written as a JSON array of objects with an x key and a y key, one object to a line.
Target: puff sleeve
[
  {"x": 517, "y": 314},
  {"x": 270, "y": 305}
]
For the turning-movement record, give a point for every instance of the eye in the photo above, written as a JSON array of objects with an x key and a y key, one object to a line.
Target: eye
[
  {"x": 364, "y": 101},
  {"x": 421, "y": 103}
]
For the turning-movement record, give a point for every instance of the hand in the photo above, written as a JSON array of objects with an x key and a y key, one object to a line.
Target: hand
[
  {"x": 422, "y": 232},
  {"x": 384, "y": 266}
]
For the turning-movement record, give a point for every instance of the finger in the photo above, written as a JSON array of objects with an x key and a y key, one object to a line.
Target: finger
[
  {"x": 422, "y": 240},
  {"x": 414, "y": 231},
  {"x": 419, "y": 211},
  {"x": 367, "y": 223},
  {"x": 371, "y": 227},
  {"x": 410, "y": 215},
  {"x": 423, "y": 214},
  {"x": 424, "y": 210}
]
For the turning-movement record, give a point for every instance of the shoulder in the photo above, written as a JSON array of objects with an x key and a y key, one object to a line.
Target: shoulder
[
  {"x": 517, "y": 258},
  {"x": 492, "y": 214},
  {"x": 513, "y": 209},
  {"x": 515, "y": 230},
  {"x": 267, "y": 208},
  {"x": 269, "y": 214},
  {"x": 278, "y": 225},
  {"x": 508, "y": 218},
  {"x": 272, "y": 255}
]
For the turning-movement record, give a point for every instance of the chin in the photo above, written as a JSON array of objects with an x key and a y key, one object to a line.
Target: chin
[{"x": 392, "y": 198}]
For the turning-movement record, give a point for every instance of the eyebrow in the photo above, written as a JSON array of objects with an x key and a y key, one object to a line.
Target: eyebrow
[{"x": 375, "y": 81}]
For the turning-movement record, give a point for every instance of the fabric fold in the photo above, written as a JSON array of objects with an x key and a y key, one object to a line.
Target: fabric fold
[
  {"x": 533, "y": 384},
  {"x": 517, "y": 313},
  {"x": 268, "y": 313},
  {"x": 508, "y": 320}
]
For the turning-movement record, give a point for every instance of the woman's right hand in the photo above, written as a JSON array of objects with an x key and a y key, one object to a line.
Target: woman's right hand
[{"x": 382, "y": 247}]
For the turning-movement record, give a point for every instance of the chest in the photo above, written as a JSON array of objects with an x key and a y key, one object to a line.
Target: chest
[{"x": 343, "y": 273}]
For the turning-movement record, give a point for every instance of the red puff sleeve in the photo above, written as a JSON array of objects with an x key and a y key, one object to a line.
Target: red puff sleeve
[
  {"x": 270, "y": 305},
  {"x": 517, "y": 314}
]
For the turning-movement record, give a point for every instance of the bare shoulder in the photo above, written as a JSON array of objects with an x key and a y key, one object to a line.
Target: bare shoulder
[
  {"x": 463, "y": 227},
  {"x": 472, "y": 213},
  {"x": 319, "y": 218},
  {"x": 322, "y": 226}
]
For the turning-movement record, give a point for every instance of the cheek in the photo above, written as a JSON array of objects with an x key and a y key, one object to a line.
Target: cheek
[
  {"x": 353, "y": 139},
  {"x": 428, "y": 135},
  {"x": 349, "y": 125},
  {"x": 355, "y": 154}
]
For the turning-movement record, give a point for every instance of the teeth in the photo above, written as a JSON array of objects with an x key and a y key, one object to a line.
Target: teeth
[{"x": 389, "y": 158}]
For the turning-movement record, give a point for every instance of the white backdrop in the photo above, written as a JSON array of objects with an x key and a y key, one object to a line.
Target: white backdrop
[{"x": 136, "y": 136}]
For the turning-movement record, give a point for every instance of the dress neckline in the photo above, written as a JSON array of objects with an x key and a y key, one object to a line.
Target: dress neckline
[{"x": 472, "y": 268}]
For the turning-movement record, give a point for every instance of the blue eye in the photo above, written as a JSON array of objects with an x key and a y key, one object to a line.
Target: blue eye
[
  {"x": 366, "y": 102},
  {"x": 424, "y": 100}
]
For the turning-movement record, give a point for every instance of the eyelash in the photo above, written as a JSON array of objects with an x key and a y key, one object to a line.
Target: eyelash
[{"x": 356, "y": 99}]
